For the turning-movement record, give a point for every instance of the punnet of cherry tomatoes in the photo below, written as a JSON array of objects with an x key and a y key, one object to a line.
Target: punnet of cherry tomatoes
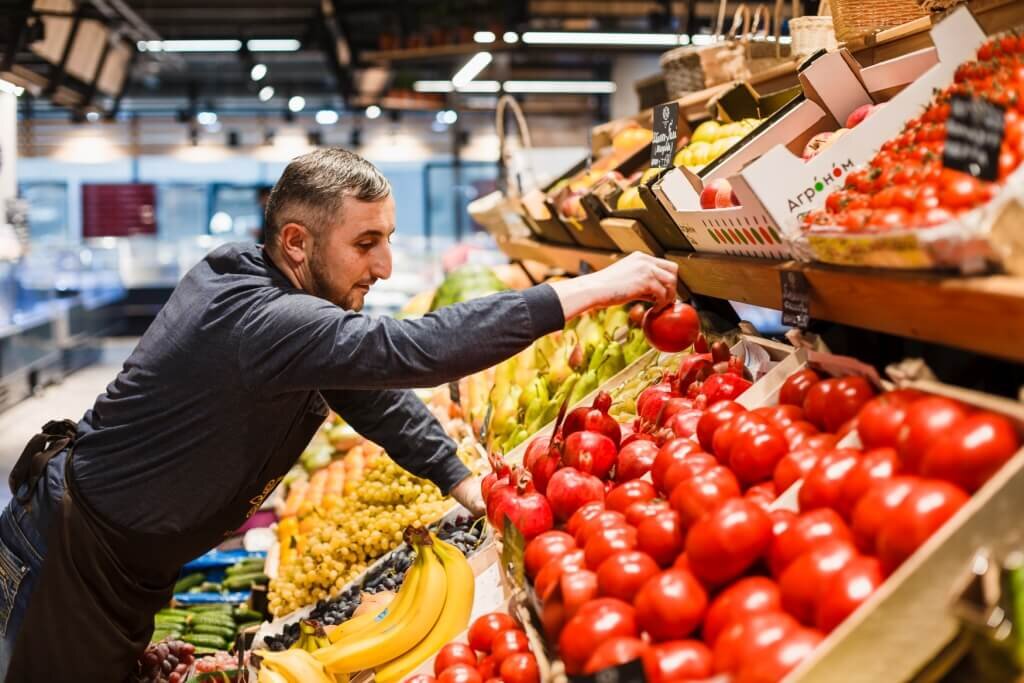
[
  {"x": 496, "y": 651},
  {"x": 665, "y": 545},
  {"x": 906, "y": 185}
]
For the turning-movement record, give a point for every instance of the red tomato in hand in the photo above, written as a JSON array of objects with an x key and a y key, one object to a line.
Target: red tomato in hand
[
  {"x": 714, "y": 417},
  {"x": 794, "y": 389},
  {"x": 877, "y": 505},
  {"x": 875, "y": 465},
  {"x": 817, "y": 400},
  {"x": 672, "y": 328},
  {"x": 777, "y": 661},
  {"x": 671, "y": 605},
  {"x": 747, "y": 639},
  {"x": 804, "y": 581},
  {"x": 629, "y": 492},
  {"x": 694, "y": 497},
  {"x": 677, "y": 660},
  {"x": 971, "y": 451},
  {"x": 795, "y": 466},
  {"x": 694, "y": 464},
  {"x": 926, "y": 420},
  {"x": 846, "y": 400},
  {"x": 520, "y": 668},
  {"x": 547, "y": 546},
  {"x": 754, "y": 454},
  {"x": 726, "y": 541},
  {"x": 925, "y": 509},
  {"x": 807, "y": 531},
  {"x": 547, "y": 578},
  {"x": 595, "y": 622},
  {"x": 752, "y": 595},
  {"x": 672, "y": 452},
  {"x": 880, "y": 419},
  {"x": 847, "y": 590},
  {"x": 606, "y": 542},
  {"x": 460, "y": 673},
  {"x": 508, "y": 643},
  {"x": 622, "y": 574},
  {"x": 452, "y": 654},
  {"x": 635, "y": 460},
  {"x": 823, "y": 484},
  {"x": 486, "y": 628},
  {"x": 614, "y": 652},
  {"x": 636, "y": 513},
  {"x": 661, "y": 537}
]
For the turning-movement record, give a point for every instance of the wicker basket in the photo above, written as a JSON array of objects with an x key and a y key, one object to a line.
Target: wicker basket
[
  {"x": 689, "y": 69},
  {"x": 498, "y": 212},
  {"x": 813, "y": 33},
  {"x": 763, "y": 54},
  {"x": 855, "y": 18}
]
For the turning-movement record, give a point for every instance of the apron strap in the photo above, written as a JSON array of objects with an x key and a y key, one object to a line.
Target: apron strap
[{"x": 55, "y": 436}]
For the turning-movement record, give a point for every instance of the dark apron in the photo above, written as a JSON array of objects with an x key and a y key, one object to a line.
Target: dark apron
[{"x": 91, "y": 613}]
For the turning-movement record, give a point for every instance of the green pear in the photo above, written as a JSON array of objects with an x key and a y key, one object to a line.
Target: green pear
[
  {"x": 587, "y": 383},
  {"x": 616, "y": 319},
  {"x": 590, "y": 334},
  {"x": 558, "y": 369},
  {"x": 614, "y": 362},
  {"x": 598, "y": 356},
  {"x": 635, "y": 346},
  {"x": 537, "y": 399},
  {"x": 526, "y": 367}
]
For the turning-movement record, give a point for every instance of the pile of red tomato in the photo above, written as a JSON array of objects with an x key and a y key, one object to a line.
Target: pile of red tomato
[
  {"x": 905, "y": 185},
  {"x": 677, "y": 557},
  {"x": 497, "y": 652}
]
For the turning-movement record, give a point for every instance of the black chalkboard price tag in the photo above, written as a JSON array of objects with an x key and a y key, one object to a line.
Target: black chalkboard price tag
[
  {"x": 630, "y": 672},
  {"x": 666, "y": 130},
  {"x": 796, "y": 299},
  {"x": 974, "y": 135}
]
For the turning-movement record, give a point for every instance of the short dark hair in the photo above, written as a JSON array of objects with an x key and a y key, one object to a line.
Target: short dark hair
[{"x": 314, "y": 186}]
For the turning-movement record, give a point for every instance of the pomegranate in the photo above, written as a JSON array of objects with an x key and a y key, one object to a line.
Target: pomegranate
[
  {"x": 635, "y": 460},
  {"x": 591, "y": 452},
  {"x": 594, "y": 419},
  {"x": 525, "y": 507},
  {"x": 569, "y": 490},
  {"x": 537, "y": 448},
  {"x": 499, "y": 474}
]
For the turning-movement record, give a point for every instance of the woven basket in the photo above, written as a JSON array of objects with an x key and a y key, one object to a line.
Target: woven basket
[
  {"x": 813, "y": 33},
  {"x": 763, "y": 54},
  {"x": 689, "y": 69},
  {"x": 498, "y": 212},
  {"x": 856, "y": 18}
]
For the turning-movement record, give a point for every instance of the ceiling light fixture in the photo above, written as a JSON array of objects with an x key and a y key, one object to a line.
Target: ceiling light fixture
[
  {"x": 206, "y": 118},
  {"x": 447, "y": 86},
  {"x": 258, "y": 72},
  {"x": 327, "y": 117},
  {"x": 189, "y": 45},
  {"x": 273, "y": 45},
  {"x": 266, "y": 92},
  {"x": 560, "y": 87},
  {"x": 471, "y": 69},
  {"x": 373, "y": 112},
  {"x": 483, "y": 37},
  {"x": 581, "y": 38},
  {"x": 296, "y": 103},
  {"x": 510, "y": 37},
  {"x": 10, "y": 88}
]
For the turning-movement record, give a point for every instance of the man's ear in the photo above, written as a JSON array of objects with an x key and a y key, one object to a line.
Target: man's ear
[{"x": 295, "y": 241}]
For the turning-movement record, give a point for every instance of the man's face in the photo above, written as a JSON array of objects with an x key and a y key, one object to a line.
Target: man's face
[{"x": 353, "y": 254}]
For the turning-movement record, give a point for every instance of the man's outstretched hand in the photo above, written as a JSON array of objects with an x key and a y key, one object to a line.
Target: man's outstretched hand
[
  {"x": 467, "y": 494},
  {"x": 635, "y": 277}
]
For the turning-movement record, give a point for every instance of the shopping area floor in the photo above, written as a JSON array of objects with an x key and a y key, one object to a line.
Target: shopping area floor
[{"x": 69, "y": 399}]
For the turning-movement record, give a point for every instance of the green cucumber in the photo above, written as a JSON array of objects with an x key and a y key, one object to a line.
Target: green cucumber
[
  {"x": 214, "y": 629},
  {"x": 213, "y": 619},
  {"x": 161, "y": 634},
  {"x": 245, "y": 567},
  {"x": 202, "y": 650},
  {"x": 211, "y": 607},
  {"x": 189, "y": 581},
  {"x": 206, "y": 640},
  {"x": 240, "y": 581},
  {"x": 170, "y": 611},
  {"x": 246, "y": 614},
  {"x": 169, "y": 620},
  {"x": 210, "y": 587}
]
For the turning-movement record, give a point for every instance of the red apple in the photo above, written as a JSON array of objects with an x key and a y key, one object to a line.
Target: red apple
[
  {"x": 709, "y": 196},
  {"x": 860, "y": 113},
  {"x": 725, "y": 197}
]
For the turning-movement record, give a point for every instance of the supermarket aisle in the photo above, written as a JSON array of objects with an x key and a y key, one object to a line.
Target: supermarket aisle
[{"x": 69, "y": 399}]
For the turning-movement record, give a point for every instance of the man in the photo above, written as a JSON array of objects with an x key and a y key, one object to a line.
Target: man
[{"x": 221, "y": 395}]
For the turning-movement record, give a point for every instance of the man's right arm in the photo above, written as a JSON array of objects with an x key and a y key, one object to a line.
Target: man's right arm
[{"x": 306, "y": 343}]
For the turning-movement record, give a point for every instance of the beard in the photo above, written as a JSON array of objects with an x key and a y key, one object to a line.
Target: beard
[{"x": 324, "y": 287}]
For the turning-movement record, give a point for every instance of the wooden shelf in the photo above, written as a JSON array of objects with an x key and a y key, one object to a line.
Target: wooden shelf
[{"x": 980, "y": 314}]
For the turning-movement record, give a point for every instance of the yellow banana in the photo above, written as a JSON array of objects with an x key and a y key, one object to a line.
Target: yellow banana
[
  {"x": 268, "y": 676},
  {"x": 454, "y": 617},
  {"x": 296, "y": 666},
  {"x": 368, "y": 624},
  {"x": 357, "y": 652}
]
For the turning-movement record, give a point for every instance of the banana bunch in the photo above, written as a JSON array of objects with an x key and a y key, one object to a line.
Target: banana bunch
[
  {"x": 293, "y": 666},
  {"x": 432, "y": 607},
  {"x": 312, "y": 636}
]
